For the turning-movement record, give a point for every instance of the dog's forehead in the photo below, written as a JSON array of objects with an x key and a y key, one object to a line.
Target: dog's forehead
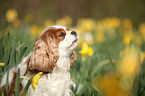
[{"x": 59, "y": 26}]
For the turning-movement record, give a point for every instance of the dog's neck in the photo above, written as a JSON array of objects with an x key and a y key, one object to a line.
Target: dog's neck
[{"x": 64, "y": 63}]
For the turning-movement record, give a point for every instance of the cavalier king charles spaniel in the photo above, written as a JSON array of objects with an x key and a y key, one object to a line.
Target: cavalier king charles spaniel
[{"x": 53, "y": 54}]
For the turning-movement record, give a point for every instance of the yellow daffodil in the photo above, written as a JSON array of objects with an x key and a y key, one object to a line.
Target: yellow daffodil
[
  {"x": 34, "y": 31},
  {"x": 109, "y": 85},
  {"x": 142, "y": 57},
  {"x": 2, "y": 64},
  {"x": 86, "y": 50},
  {"x": 11, "y": 15},
  {"x": 127, "y": 24},
  {"x": 65, "y": 21},
  {"x": 129, "y": 62},
  {"x": 48, "y": 23},
  {"x": 142, "y": 29},
  {"x": 86, "y": 25},
  {"x": 111, "y": 22},
  {"x": 126, "y": 39},
  {"x": 35, "y": 80},
  {"x": 90, "y": 51},
  {"x": 115, "y": 22}
]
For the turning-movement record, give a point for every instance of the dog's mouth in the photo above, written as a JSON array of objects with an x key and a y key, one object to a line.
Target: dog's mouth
[{"x": 74, "y": 43}]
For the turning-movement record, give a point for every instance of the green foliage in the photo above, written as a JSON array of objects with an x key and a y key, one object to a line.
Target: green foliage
[
  {"x": 13, "y": 47},
  {"x": 84, "y": 72},
  {"x": 139, "y": 84}
]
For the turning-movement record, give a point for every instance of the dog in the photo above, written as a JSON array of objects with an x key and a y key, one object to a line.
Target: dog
[{"x": 53, "y": 54}]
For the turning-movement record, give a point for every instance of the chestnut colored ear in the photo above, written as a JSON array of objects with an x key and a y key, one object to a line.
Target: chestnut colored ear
[
  {"x": 73, "y": 57},
  {"x": 44, "y": 55}
]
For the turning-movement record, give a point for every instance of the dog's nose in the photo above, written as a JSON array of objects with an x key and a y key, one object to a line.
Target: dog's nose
[{"x": 74, "y": 33}]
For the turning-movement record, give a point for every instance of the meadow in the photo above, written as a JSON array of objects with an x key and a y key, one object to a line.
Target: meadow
[{"x": 110, "y": 54}]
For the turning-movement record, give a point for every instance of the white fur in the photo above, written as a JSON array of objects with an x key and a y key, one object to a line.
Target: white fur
[
  {"x": 56, "y": 83},
  {"x": 65, "y": 50}
]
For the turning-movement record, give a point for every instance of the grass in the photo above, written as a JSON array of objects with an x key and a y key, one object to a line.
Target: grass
[{"x": 16, "y": 43}]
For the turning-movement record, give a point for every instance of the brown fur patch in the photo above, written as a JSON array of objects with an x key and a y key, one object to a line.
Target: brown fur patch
[
  {"x": 73, "y": 57},
  {"x": 67, "y": 29},
  {"x": 54, "y": 34},
  {"x": 45, "y": 52}
]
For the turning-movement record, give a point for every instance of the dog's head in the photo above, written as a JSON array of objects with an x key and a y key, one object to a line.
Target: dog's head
[{"x": 54, "y": 42}]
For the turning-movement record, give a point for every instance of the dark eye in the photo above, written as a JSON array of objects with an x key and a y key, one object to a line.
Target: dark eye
[{"x": 61, "y": 34}]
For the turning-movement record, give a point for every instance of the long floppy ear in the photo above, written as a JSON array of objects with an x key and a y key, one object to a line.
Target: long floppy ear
[
  {"x": 45, "y": 54},
  {"x": 73, "y": 57}
]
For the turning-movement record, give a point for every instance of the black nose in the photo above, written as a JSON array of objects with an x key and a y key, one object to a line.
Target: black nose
[{"x": 74, "y": 33}]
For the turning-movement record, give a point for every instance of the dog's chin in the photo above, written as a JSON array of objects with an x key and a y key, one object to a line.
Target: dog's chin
[{"x": 74, "y": 44}]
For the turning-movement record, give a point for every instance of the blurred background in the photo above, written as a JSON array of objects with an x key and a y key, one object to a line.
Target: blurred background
[
  {"x": 111, "y": 50},
  {"x": 56, "y": 9}
]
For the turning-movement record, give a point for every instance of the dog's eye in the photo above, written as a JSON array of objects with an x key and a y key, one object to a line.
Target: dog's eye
[{"x": 61, "y": 34}]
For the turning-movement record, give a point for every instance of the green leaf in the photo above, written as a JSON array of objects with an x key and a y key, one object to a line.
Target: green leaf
[
  {"x": 15, "y": 57},
  {"x": 139, "y": 83},
  {"x": 24, "y": 92},
  {"x": 7, "y": 83},
  {"x": 12, "y": 53},
  {"x": 22, "y": 53},
  {"x": 16, "y": 83}
]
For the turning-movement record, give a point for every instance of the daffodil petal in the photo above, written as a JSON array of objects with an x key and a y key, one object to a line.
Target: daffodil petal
[
  {"x": 2, "y": 64},
  {"x": 90, "y": 51},
  {"x": 84, "y": 49},
  {"x": 35, "y": 80}
]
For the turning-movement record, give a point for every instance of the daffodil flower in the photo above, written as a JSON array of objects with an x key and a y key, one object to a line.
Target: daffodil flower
[
  {"x": 126, "y": 39},
  {"x": 86, "y": 50},
  {"x": 129, "y": 62},
  {"x": 2, "y": 64},
  {"x": 11, "y": 15},
  {"x": 35, "y": 80},
  {"x": 90, "y": 51}
]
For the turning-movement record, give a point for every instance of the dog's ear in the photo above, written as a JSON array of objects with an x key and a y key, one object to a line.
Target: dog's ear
[
  {"x": 73, "y": 57},
  {"x": 45, "y": 53}
]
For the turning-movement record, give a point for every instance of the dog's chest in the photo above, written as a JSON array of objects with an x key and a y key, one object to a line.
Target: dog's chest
[{"x": 55, "y": 84}]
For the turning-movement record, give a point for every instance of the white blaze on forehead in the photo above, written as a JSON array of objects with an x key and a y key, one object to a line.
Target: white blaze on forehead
[
  {"x": 59, "y": 26},
  {"x": 55, "y": 26}
]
